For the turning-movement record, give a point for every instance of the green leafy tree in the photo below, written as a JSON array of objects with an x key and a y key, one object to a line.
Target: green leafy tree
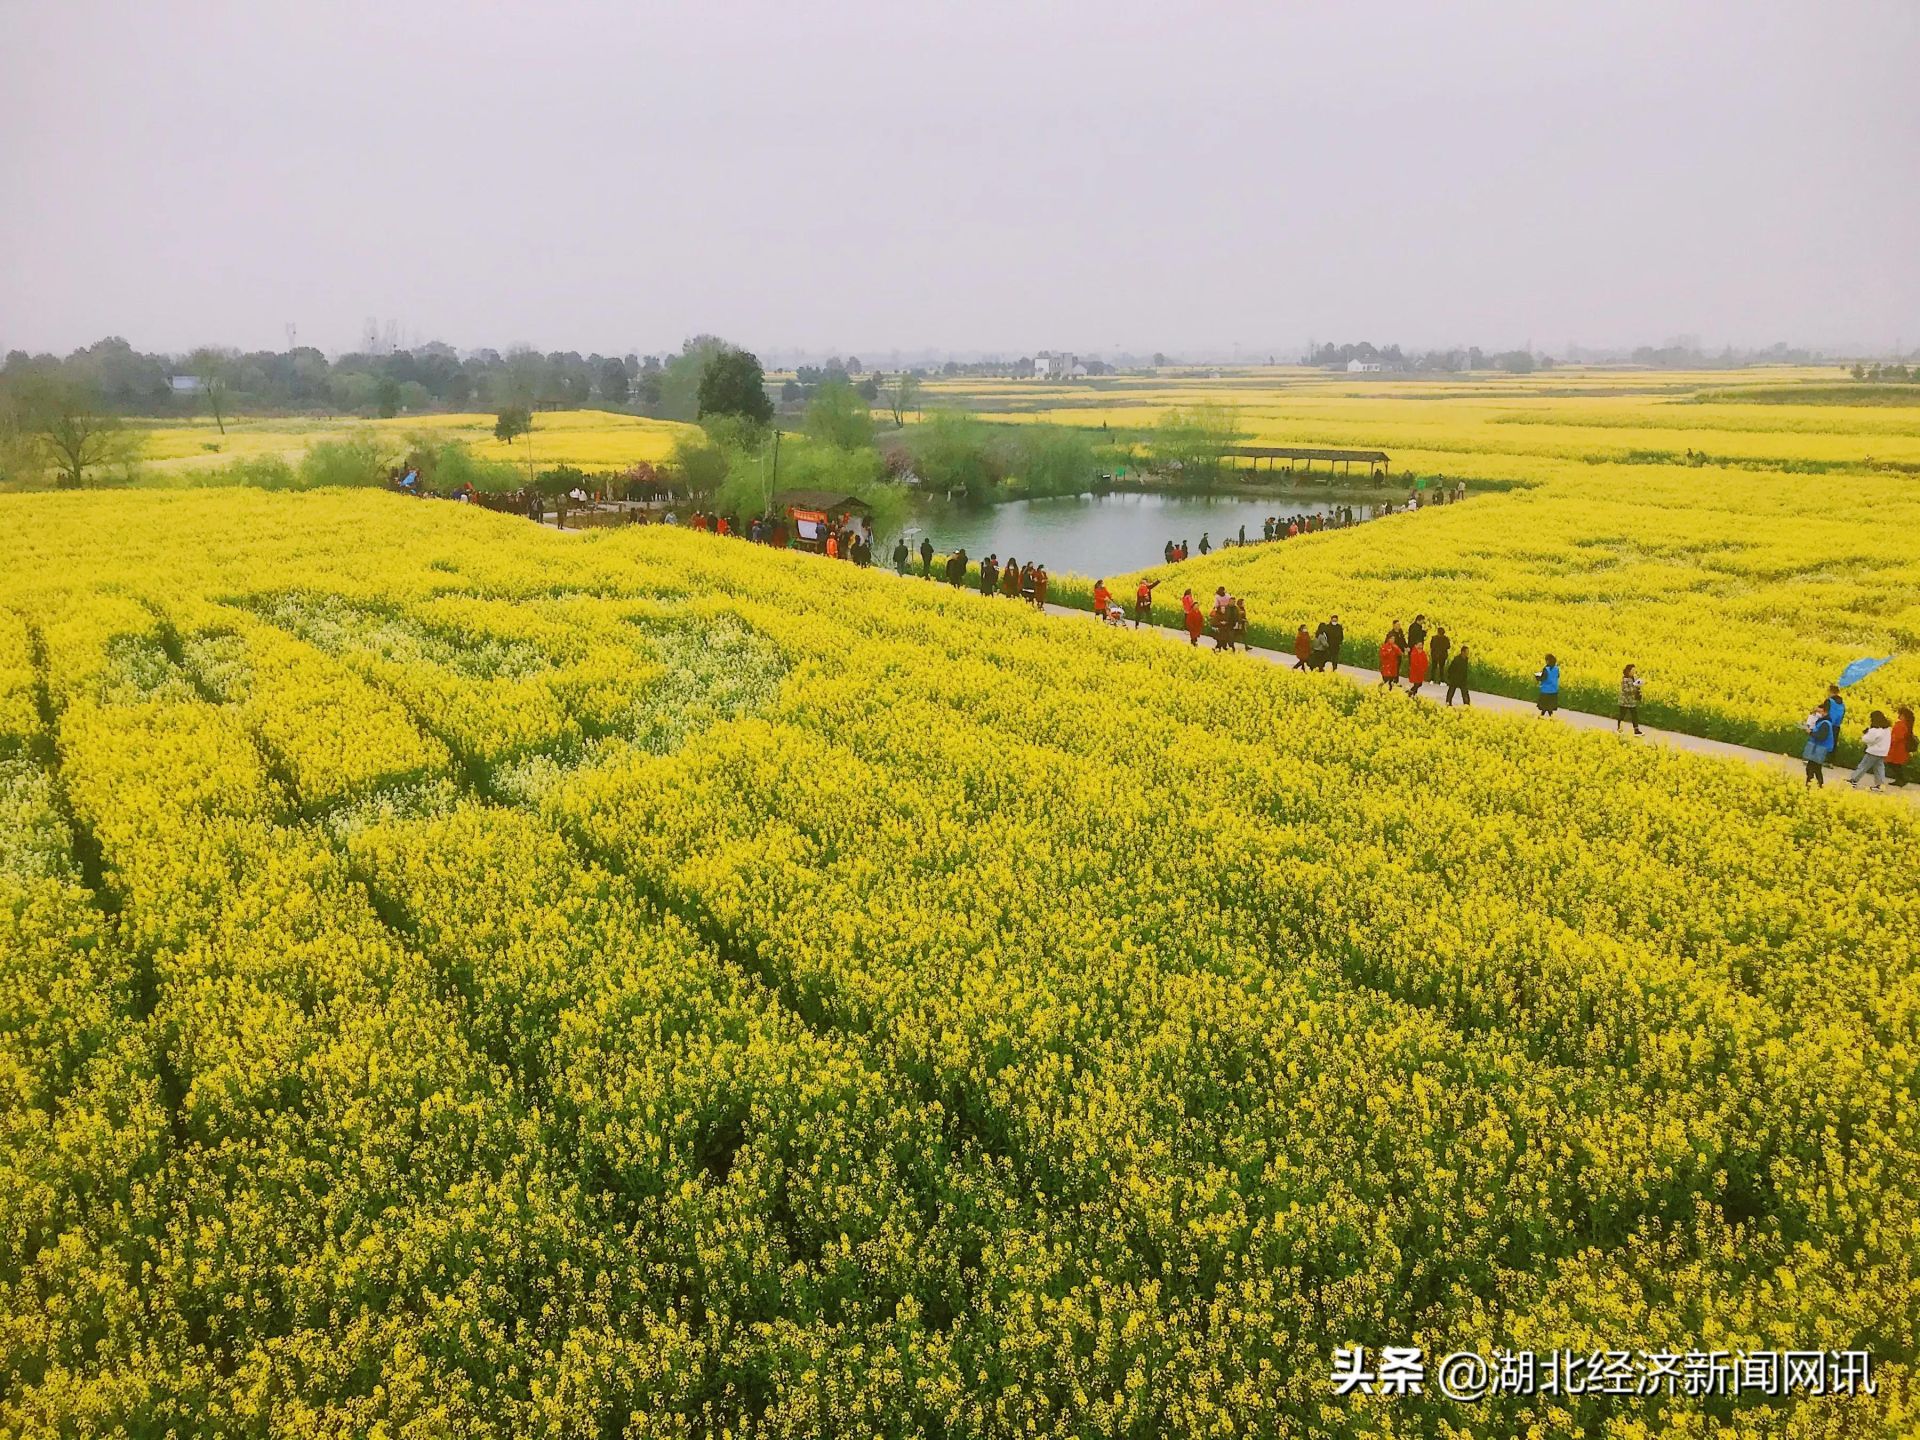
[
  {"x": 562, "y": 480},
  {"x": 734, "y": 384},
  {"x": 351, "y": 391},
  {"x": 360, "y": 459},
  {"x": 615, "y": 386},
  {"x": 701, "y": 463},
  {"x": 837, "y": 416},
  {"x": 387, "y": 396},
  {"x": 649, "y": 387},
  {"x": 214, "y": 369},
  {"x": 1194, "y": 442},
  {"x": 446, "y": 465},
  {"x": 510, "y": 424},
  {"x": 809, "y": 465},
  {"x": 1054, "y": 460},
  {"x": 736, "y": 434},
  {"x": 952, "y": 453},
  {"x": 677, "y": 384}
]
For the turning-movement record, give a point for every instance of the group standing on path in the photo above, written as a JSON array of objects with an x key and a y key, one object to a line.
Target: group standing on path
[
  {"x": 1011, "y": 579},
  {"x": 1886, "y": 745},
  {"x": 1225, "y": 619}
]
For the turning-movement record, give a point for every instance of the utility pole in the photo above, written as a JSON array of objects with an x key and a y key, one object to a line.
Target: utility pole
[{"x": 766, "y": 506}]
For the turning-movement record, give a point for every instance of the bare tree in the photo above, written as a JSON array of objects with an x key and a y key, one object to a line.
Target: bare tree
[
  {"x": 75, "y": 435},
  {"x": 903, "y": 395}
]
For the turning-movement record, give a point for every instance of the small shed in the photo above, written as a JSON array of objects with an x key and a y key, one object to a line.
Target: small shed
[{"x": 815, "y": 513}]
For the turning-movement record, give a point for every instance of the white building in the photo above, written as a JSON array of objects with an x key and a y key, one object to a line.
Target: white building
[
  {"x": 1057, "y": 365},
  {"x": 184, "y": 384},
  {"x": 1363, "y": 367}
]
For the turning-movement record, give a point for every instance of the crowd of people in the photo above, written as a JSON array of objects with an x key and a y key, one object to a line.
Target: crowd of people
[
  {"x": 1012, "y": 579},
  {"x": 1886, "y": 745},
  {"x": 406, "y": 481},
  {"x": 845, "y": 537},
  {"x": 1421, "y": 654}
]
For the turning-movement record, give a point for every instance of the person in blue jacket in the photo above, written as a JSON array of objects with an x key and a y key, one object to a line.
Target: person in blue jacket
[
  {"x": 1836, "y": 709},
  {"x": 1819, "y": 728},
  {"x": 1549, "y": 678}
]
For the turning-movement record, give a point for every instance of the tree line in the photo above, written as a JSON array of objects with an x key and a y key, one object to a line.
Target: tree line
[
  {"x": 218, "y": 382},
  {"x": 1391, "y": 357},
  {"x": 68, "y": 418}
]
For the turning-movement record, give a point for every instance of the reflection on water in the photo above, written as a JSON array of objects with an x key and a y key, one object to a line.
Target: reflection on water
[{"x": 1095, "y": 534}]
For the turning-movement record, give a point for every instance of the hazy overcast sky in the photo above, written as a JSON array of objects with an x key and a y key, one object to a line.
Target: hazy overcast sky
[{"x": 977, "y": 176}]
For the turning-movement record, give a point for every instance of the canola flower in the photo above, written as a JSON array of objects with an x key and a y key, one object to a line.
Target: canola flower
[{"x": 466, "y": 979}]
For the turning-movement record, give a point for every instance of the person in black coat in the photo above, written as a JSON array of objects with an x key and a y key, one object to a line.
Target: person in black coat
[
  {"x": 1457, "y": 677},
  {"x": 1336, "y": 637},
  {"x": 1440, "y": 649}
]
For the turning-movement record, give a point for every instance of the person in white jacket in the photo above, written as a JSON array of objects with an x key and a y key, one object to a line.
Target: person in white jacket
[{"x": 1878, "y": 740}]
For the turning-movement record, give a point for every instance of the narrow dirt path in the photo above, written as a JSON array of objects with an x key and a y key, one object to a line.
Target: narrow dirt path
[{"x": 1576, "y": 719}]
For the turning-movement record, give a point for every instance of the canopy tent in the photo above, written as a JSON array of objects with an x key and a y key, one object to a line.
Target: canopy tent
[
  {"x": 1375, "y": 460},
  {"x": 831, "y": 501},
  {"x": 815, "y": 512}
]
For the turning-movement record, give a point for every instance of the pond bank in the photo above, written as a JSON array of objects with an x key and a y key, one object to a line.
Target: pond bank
[{"x": 1100, "y": 534}]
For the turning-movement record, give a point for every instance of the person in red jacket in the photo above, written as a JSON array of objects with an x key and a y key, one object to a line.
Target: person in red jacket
[
  {"x": 1416, "y": 668},
  {"x": 1143, "y": 601},
  {"x": 1900, "y": 751},
  {"x": 1302, "y": 648},
  {"x": 1390, "y": 663},
  {"x": 1194, "y": 618}
]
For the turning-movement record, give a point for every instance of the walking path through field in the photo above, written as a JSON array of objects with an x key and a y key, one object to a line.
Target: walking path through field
[{"x": 1577, "y": 719}]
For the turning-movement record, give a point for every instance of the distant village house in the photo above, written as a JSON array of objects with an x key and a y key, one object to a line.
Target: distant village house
[{"x": 1058, "y": 365}]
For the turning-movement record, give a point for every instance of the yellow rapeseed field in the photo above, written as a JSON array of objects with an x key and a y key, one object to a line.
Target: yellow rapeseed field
[
  {"x": 592, "y": 440},
  {"x": 463, "y": 979}
]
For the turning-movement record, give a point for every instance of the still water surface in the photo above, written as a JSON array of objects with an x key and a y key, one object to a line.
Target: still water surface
[{"x": 1094, "y": 535}]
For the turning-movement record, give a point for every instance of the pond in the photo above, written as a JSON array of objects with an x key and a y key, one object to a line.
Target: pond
[{"x": 1094, "y": 535}]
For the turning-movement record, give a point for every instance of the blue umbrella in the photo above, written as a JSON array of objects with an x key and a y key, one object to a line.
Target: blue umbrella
[{"x": 1859, "y": 670}]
